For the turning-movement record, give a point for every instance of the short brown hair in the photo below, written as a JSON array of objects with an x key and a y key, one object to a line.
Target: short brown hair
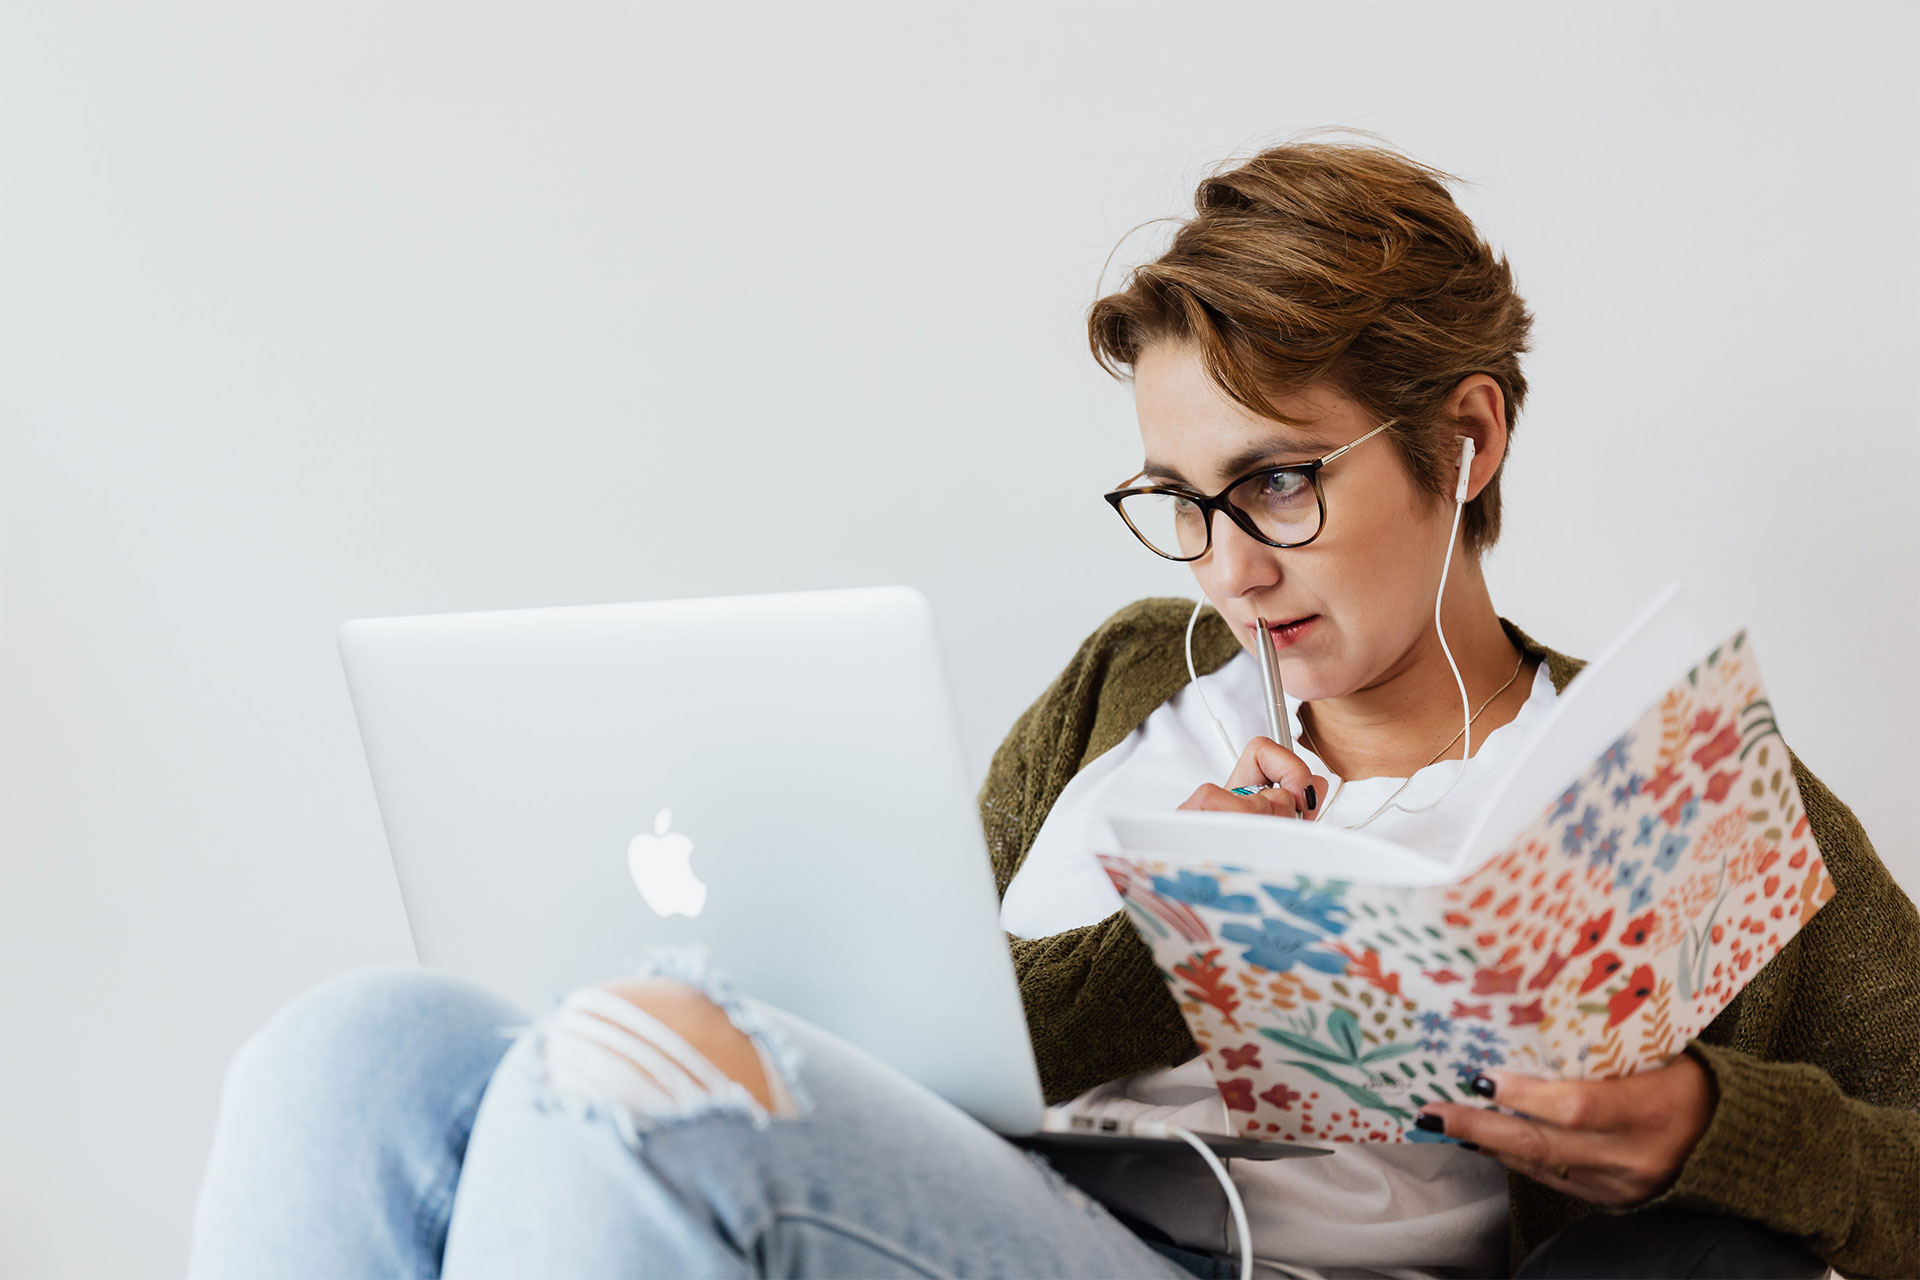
[{"x": 1342, "y": 262}]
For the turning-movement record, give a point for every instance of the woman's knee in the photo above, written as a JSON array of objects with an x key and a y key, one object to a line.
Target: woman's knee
[
  {"x": 392, "y": 1022},
  {"x": 661, "y": 1045}
]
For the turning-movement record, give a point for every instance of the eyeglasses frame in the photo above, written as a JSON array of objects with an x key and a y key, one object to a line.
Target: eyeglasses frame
[{"x": 1218, "y": 502}]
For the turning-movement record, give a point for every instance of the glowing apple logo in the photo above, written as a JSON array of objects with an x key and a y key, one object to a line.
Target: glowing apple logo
[{"x": 659, "y": 866}]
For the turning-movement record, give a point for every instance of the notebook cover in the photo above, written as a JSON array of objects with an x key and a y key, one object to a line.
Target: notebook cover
[{"x": 1596, "y": 943}]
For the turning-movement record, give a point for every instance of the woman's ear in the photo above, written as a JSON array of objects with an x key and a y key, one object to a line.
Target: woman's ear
[{"x": 1479, "y": 410}]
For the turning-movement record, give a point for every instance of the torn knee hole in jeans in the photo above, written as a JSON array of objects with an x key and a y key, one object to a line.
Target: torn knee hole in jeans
[{"x": 604, "y": 1051}]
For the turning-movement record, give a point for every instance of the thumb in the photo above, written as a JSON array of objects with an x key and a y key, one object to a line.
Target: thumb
[{"x": 1313, "y": 797}]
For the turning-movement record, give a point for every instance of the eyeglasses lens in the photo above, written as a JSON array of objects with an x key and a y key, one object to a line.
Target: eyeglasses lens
[{"x": 1281, "y": 504}]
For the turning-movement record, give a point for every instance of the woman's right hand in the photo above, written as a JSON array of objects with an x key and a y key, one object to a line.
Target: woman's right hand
[{"x": 1287, "y": 788}]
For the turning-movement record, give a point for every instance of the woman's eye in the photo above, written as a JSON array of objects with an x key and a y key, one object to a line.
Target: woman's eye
[{"x": 1285, "y": 485}]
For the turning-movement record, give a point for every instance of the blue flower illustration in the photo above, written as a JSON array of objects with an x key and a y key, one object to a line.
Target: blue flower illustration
[
  {"x": 1202, "y": 891},
  {"x": 1670, "y": 846},
  {"x": 1628, "y": 789},
  {"x": 1578, "y": 833},
  {"x": 1614, "y": 757},
  {"x": 1688, "y": 811},
  {"x": 1648, "y": 823},
  {"x": 1625, "y": 874},
  {"x": 1568, "y": 798},
  {"x": 1277, "y": 945},
  {"x": 1484, "y": 1055},
  {"x": 1603, "y": 850},
  {"x": 1430, "y": 1045},
  {"x": 1317, "y": 905},
  {"x": 1431, "y": 1021},
  {"x": 1642, "y": 895},
  {"x": 1483, "y": 1032}
]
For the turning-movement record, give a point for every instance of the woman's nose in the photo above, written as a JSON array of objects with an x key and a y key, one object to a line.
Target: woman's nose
[{"x": 1240, "y": 562}]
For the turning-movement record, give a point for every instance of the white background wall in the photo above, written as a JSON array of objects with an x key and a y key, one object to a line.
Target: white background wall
[{"x": 313, "y": 313}]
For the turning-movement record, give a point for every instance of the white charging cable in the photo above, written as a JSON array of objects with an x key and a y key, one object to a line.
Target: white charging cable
[{"x": 1153, "y": 1129}]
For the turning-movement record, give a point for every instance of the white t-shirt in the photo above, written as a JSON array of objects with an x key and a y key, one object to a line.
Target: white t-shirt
[{"x": 1366, "y": 1210}]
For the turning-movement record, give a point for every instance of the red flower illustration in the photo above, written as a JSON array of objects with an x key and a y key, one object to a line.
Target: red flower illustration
[
  {"x": 1208, "y": 977},
  {"x": 1281, "y": 1097},
  {"x": 1605, "y": 965},
  {"x": 1496, "y": 982},
  {"x": 1238, "y": 1093},
  {"x": 1720, "y": 784},
  {"x": 1548, "y": 971},
  {"x": 1522, "y": 1014},
  {"x": 1724, "y": 744},
  {"x": 1637, "y": 930},
  {"x": 1592, "y": 933},
  {"x": 1472, "y": 1010},
  {"x": 1366, "y": 967},
  {"x": 1441, "y": 975},
  {"x": 1247, "y": 1055},
  {"x": 1671, "y": 813},
  {"x": 1665, "y": 776},
  {"x": 1704, "y": 722},
  {"x": 1630, "y": 997}
]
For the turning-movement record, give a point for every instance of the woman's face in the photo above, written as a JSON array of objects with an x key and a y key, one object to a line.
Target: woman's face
[{"x": 1366, "y": 583}]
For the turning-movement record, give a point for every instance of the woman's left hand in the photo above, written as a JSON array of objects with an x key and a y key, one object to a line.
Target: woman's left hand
[{"x": 1614, "y": 1142}]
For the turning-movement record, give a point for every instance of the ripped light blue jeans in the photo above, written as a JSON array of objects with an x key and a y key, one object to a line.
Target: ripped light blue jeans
[{"x": 399, "y": 1122}]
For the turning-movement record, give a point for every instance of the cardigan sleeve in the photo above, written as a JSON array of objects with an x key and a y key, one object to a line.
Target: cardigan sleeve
[
  {"x": 1097, "y": 1007},
  {"x": 1816, "y": 1127}
]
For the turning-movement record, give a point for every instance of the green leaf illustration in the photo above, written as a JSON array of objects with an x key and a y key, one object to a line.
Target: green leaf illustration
[
  {"x": 1388, "y": 1051},
  {"x": 1344, "y": 1030},
  {"x": 1358, "y": 1092},
  {"x": 1302, "y": 1044}
]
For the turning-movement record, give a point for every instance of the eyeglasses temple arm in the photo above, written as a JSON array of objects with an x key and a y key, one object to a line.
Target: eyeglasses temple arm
[{"x": 1324, "y": 459}]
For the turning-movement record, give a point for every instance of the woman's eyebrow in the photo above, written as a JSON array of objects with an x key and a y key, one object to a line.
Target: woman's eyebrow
[{"x": 1245, "y": 460}]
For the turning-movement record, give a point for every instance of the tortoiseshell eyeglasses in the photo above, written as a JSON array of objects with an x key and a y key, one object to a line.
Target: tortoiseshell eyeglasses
[{"x": 1279, "y": 506}]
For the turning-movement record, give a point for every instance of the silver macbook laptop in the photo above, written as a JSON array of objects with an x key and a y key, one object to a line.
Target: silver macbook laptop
[{"x": 778, "y": 778}]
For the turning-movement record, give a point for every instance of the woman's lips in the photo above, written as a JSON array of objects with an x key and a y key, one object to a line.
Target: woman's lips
[{"x": 1286, "y": 633}]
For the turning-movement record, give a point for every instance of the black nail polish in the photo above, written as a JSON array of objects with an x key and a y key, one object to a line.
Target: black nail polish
[
  {"x": 1431, "y": 1123},
  {"x": 1482, "y": 1086},
  {"x": 1313, "y": 801},
  {"x": 1469, "y": 1146}
]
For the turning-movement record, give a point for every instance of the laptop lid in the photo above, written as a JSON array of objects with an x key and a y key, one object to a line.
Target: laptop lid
[{"x": 778, "y": 778}]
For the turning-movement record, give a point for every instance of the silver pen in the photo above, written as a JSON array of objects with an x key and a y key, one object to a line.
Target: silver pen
[{"x": 1270, "y": 685}]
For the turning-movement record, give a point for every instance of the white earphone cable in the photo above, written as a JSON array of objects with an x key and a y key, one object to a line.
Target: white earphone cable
[{"x": 1219, "y": 730}]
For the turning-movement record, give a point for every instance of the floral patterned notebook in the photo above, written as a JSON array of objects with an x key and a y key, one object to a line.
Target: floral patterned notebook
[{"x": 1596, "y": 942}]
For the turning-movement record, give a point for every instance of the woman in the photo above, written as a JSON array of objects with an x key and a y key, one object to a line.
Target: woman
[{"x": 1329, "y": 305}]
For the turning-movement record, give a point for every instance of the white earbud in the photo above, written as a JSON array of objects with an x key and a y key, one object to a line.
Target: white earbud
[{"x": 1466, "y": 467}]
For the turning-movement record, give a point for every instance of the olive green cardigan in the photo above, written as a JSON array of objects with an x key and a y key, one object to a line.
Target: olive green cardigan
[{"x": 1816, "y": 1063}]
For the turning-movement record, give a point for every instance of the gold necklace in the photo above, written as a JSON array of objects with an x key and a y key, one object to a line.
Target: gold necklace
[{"x": 1306, "y": 733}]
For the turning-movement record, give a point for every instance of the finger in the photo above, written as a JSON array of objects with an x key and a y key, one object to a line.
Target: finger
[
  {"x": 1267, "y": 762},
  {"x": 1290, "y": 804},
  {"x": 1315, "y": 799},
  {"x": 1602, "y": 1167},
  {"x": 1281, "y": 802},
  {"x": 1570, "y": 1104},
  {"x": 1209, "y": 796},
  {"x": 1531, "y": 1146}
]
